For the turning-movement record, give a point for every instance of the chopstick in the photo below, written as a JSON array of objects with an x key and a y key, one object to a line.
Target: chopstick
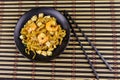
[
  {"x": 93, "y": 69},
  {"x": 106, "y": 63}
]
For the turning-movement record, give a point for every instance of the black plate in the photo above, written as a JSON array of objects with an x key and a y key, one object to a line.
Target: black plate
[{"x": 47, "y": 11}]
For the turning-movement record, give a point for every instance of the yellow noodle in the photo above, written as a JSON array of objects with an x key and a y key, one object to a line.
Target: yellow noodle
[{"x": 30, "y": 36}]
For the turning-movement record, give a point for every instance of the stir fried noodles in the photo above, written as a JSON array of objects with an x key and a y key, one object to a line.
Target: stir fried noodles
[{"x": 41, "y": 35}]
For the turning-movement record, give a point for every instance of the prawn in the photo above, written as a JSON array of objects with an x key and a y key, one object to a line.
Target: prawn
[
  {"x": 51, "y": 26},
  {"x": 42, "y": 38},
  {"x": 31, "y": 27}
]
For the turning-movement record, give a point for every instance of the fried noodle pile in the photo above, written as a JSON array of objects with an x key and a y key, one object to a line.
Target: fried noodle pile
[{"x": 41, "y": 35}]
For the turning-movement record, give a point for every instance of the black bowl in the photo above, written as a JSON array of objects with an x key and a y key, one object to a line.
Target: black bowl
[{"x": 47, "y": 11}]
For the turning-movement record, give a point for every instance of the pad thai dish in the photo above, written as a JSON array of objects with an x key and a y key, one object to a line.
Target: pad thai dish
[{"x": 42, "y": 34}]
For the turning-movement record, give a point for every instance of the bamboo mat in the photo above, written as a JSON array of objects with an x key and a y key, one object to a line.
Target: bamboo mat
[{"x": 100, "y": 20}]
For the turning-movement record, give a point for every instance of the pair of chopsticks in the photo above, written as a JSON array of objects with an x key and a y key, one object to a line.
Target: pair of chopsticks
[{"x": 68, "y": 17}]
